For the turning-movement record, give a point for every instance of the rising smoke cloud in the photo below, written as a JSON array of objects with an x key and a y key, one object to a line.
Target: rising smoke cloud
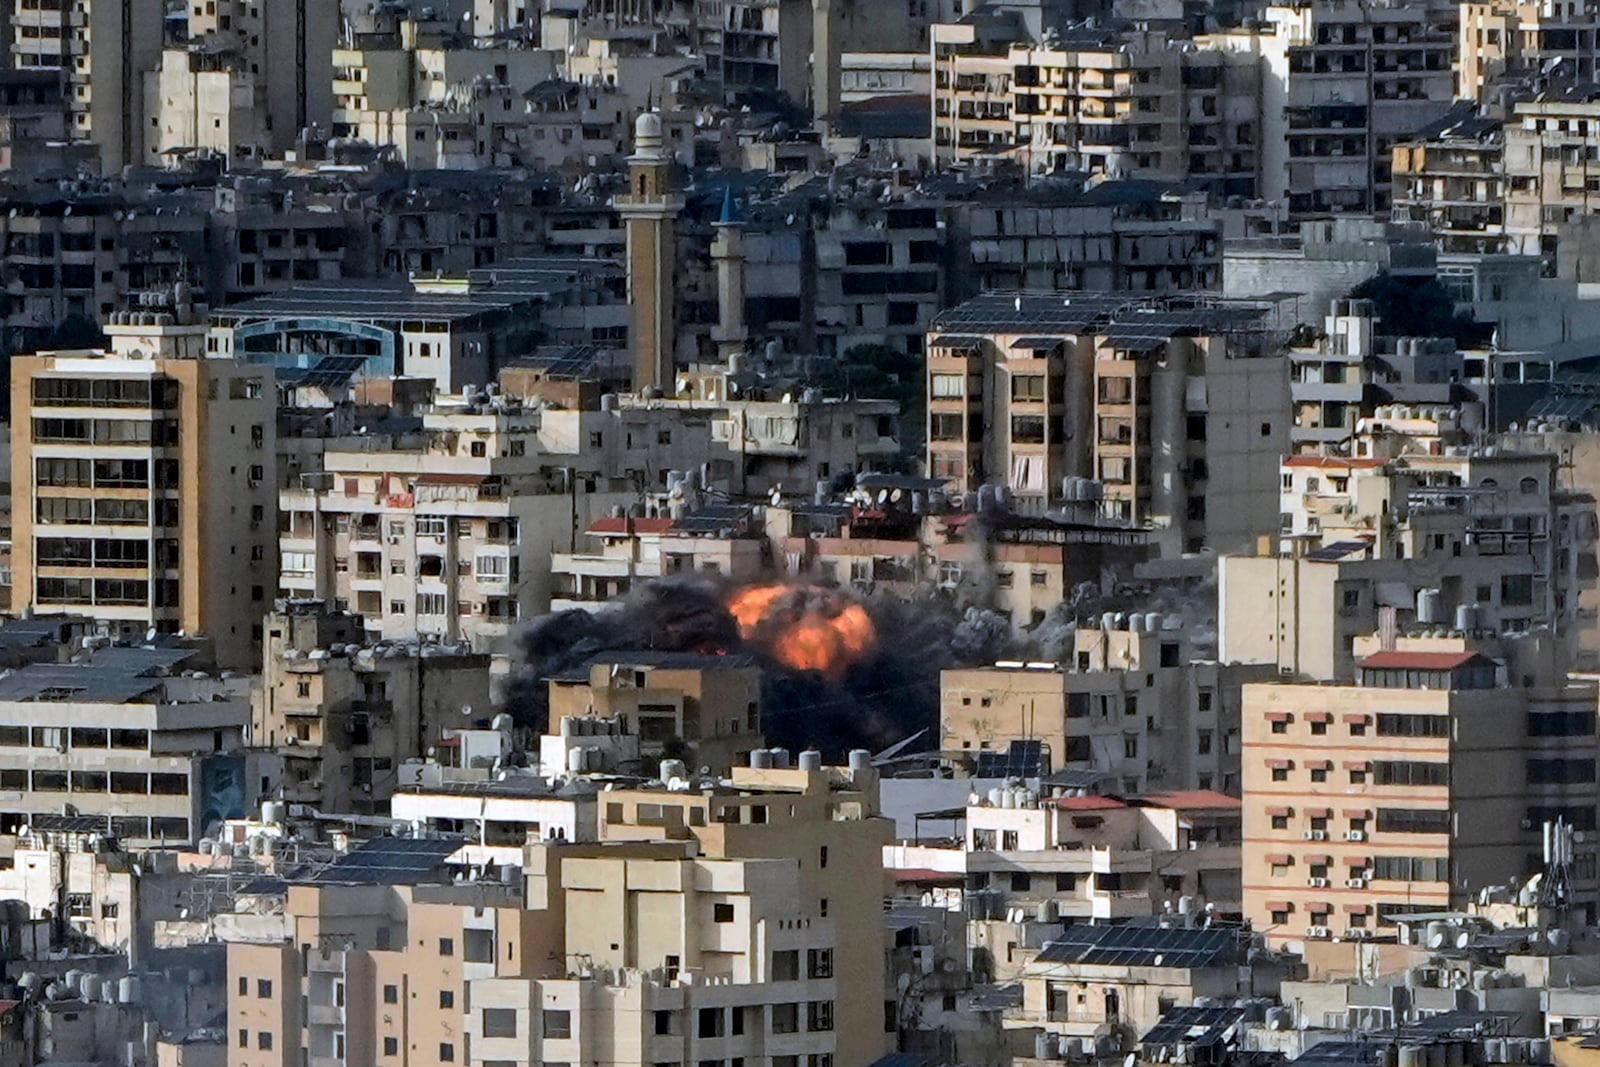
[{"x": 839, "y": 670}]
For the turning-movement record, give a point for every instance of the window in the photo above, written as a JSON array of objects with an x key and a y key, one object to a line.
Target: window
[
  {"x": 447, "y": 946},
  {"x": 1412, "y": 772},
  {"x": 447, "y": 998},
  {"x": 1410, "y": 869},
  {"x": 447, "y": 1052},
  {"x": 1280, "y": 726},
  {"x": 478, "y": 946},
  {"x": 264, "y": 988},
  {"x": 1319, "y": 728},
  {"x": 1280, "y": 822},
  {"x": 499, "y": 1022},
  {"x": 244, "y": 986},
  {"x": 819, "y": 962},
  {"x": 819, "y": 1015},
  {"x": 264, "y": 1040},
  {"x": 722, "y": 913},
  {"x": 556, "y": 1023},
  {"x": 244, "y": 1039},
  {"x": 391, "y": 994},
  {"x": 1413, "y": 821},
  {"x": 710, "y": 1022},
  {"x": 1560, "y": 771},
  {"x": 1021, "y": 881},
  {"x": 948, "y": 385},
  {"x": 786, "y": 965},
  {"x": 786, "y": 1018},
  {"x": 1399, "y": 724},
  {"x": 391, "y": 1046},
  {"x": 1280, "y": 774}
]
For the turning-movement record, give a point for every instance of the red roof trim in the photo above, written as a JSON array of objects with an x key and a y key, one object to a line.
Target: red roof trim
[{"x": 1334, "y": 462}]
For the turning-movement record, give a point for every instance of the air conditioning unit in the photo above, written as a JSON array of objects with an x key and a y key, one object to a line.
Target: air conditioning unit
[
  {"x": 1355, "y": 883},
  {"x": 1356, "y": 835},
  {"x": 1318, "y": 931},
  {"x": 1316, "y": 835},
  {"x": 1357, "y": 933},
  {"x": 1317, "y": 883}
]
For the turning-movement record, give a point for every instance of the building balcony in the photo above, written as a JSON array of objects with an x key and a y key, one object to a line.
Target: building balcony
[{"x": 325, "y": 1015}]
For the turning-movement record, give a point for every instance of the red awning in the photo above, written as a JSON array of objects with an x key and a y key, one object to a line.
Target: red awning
[
  {"x": 1319, "y": 716},
  {"x": 1318, "y": 813},
  {"x": 1357, "y": 813},
  {"x": 1357, "y": 718},
  {"x": 1319, "y": 860},
  {"x": 1280, "y": 811},
  {"x": 1319, "y": 907},
  {"x": 1280, "y": 859},
  {"x": 1319, "y": 764},
  {"x": 1279, "y": 716},
  {"x": 1358, "y": 765},
  {"x": 1358, "y": 909},
  {"x": 1280, "y": 905},
  {"x": 1280, "y": 764}
]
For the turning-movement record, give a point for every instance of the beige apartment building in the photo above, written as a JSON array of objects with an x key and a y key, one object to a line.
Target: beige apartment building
[
  {"x": 1161, "y": 402},
  {"x": 1427, "y": 778},
  {"x": 1132, "y": 705},
  {"x": 1342, "y": 83},
  {"x": 1433, "y": 533},
  {"x": 1454, "y": 180},
  {"x": 1503, "y": 41},
  {"x": 1552, "y": 156},
  {"x": 1123, "y": 105},
  {"x": 343, "y": 716},
  {"x": 710, "y": 703},
  {"x": 445, "y": 535},
  {"x": 251, "y": 76},
  {"x": 103, "y": 48},
  {"x": 728, "y": 923},
  {"x": 142, "y": 485}
]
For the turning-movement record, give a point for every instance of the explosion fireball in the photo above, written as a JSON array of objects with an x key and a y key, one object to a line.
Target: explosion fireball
[{"x": 804, "y": 628}]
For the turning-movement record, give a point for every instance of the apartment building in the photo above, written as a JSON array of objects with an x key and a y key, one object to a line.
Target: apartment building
[
  {"x": 1426, "y": 778},
  {"x": 1184, "y": 413},
  {"x": 738, "y": 939},
  {"x": 444, "y": 534},
  {"x": 1132, "y": 704},
  {"x": 1133, "y": 104},
  {"x": 245, "y": 84},
  {"x": 1352, "y": 374},
  {"x": 1452, "y": 178},
  {"x": 1342, "y": 83},
  {"x": 1116, "y": 236},
  {"x": 142, "y": 486},
  {"x": 710, "y": 704},
  {"x": 32, "y": 115},
  {"x": 102, "y": 50},
  {"x": 823, "y": 823},
  {"x": 1552, "y": 144},
  {"x": 1435, "y": 533},
  {"x": 343, "y": 716},
  {"x": 151, "y": 758},
  {"x": 1503, "y": 43},
  {"x": 1070, "y": 859}
]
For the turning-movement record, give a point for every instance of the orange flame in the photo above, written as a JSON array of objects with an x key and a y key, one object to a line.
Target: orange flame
[{"x": 805, "y": 629}]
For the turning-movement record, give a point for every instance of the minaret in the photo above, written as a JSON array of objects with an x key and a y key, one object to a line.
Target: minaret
[
  {"x": 727, "y": 250},
  {"x": 650, "y": 212}
]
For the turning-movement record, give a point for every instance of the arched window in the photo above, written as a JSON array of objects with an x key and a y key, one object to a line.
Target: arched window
[{"x": 1529, "y": 486}]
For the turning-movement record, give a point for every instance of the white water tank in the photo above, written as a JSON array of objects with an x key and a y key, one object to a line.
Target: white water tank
[
  {"x": 811, "y": 760},
  {"x": 128, "y": 989}
]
